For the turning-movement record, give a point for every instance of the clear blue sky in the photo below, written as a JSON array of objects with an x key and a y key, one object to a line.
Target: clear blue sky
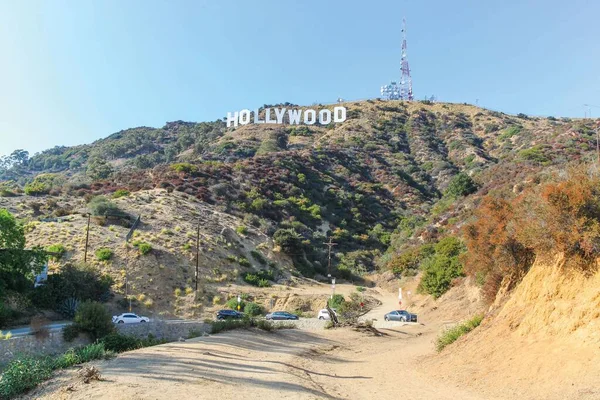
[{"x": 76, "y": 71}]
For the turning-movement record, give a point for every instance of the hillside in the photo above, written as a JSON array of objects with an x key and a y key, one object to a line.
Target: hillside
[{"x": 392, "y": 175}]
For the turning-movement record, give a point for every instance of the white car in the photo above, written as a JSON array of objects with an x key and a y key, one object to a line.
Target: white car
[
  {"x": 323, "y": 314},
  {"x": 129, "y": 318}
]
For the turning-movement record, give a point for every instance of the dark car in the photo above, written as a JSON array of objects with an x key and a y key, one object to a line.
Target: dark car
[
  {"x": 400, "y": 315},
  {"x": 281, "y": 315},
  {"x": 229, "y": 314}
]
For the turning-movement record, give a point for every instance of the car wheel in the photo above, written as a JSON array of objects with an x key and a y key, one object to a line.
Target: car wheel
[
  {"x": 142, "y": 321},
  {"x": 386, "y": 319},
  {"x": 121, "y": 322},
  {"x": 403, "y": 319}
]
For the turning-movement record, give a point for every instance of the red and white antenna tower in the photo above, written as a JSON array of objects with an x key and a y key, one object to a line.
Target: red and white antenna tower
[{"x": 406, "y": 92}]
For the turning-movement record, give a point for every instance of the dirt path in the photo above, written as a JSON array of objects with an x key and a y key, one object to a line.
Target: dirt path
[{"x": 289, "y": 364}]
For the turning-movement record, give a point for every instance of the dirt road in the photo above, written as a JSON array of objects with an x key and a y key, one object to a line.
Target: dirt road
[{"x": 287, "y": 364}]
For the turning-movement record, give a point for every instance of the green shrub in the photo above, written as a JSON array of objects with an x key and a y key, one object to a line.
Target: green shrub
[
  {"x": 336, "y": 301},
  {"x": 241, "y": 230},
  {"x": 259, "y": 278},
  {"x": 104, "y": 254},
  {"x": 59, "y": 249},
  {"x": 70, "y": 332},
  {"x": 289, "y": 240},
  {"x": 94, "y": 319},
  {"x": 72, "y": 282},
  {"x": 66, "y": 360},
  {"x": 451, "y": 335},
  {"x": 22, "y": 374},
  {"x": 534, "y": 154},
  {"x": 258, "y": 257},
  {"x": 461, "y": 185},
  {"x": 510, "y": 132},
  {"x": 253, "y": 309},
  {"x": 101, "y": 206},
  {"x": 185, "y": 167},
  {"x": 265, "y": 325},
  {"x": 94, "y": 351},
  {"x": 243, "y": 261},
  {"x": 120, "y": 343},
  {"x": 360, "y": 289},
  {"x": 438, "y": 273},
  {"x": 232, "y": 303},
  {"x": 143, "y": 247},
  {"x": 227, "y": 325},
  {"x": 120, "y": 193}
]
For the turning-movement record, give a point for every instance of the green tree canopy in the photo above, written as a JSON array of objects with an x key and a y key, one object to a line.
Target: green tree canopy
[{"x": 17, "y": 265}]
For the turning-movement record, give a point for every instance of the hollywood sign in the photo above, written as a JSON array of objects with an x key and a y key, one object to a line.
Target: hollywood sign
[{"x": 285, "y": 116}]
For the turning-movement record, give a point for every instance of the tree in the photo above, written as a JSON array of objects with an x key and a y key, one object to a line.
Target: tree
[
  {"x": 17, "y": 265},
  {"x": 94, "y": 319},
  {"x": 461, "y": 185},
  {"x": 289, "y": 240},
  {"x": 99, "y": 169}
]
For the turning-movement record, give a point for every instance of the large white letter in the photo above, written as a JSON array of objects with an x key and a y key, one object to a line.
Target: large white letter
[
  {"x": 268, "y": 119},
  {"x": 339, "y": 114},
  {"x": 313, "y": 117},
  {"x": 244, "y": 117},
  {"x": 257, "y": 118},
  {"x": 231, "y": 119},
  {"x": 294, "y": 116},
  {"x": 279, "y": 113},
  {"x": 322, "y": 119}
]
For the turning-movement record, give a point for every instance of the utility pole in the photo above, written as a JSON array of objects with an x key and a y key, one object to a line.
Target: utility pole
[
  {"x": 87, "y": 238},
  {"x": 127, "y": 238},
  {"x": 197, "y": 256},
  {"x": 329, "y": 244}
]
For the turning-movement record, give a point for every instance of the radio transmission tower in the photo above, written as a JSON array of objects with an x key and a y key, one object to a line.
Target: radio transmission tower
[
  {"x": 406, "y": 92},
  {"x": 403, "y": 89}
]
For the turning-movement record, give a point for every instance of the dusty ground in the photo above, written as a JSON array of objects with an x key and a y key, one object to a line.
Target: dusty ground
[
  {"x": 345, "y": 364},
  {"x": 290, "y": 364}
]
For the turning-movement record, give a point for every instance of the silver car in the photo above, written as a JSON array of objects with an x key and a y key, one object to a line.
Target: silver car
[{"x": 400, "y": 315}]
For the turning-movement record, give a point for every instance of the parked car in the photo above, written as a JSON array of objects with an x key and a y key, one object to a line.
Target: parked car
[
  {"x": 400, "y": 315},
  {"x": 323, "y": 314},
  {"x": 229, "y": 314},
  {"x": 281, "y": 315},
  {"x": 129, "y": 318}
]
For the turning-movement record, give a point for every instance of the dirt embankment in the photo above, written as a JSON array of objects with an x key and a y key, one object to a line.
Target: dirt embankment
[{"x": 543, "y": 344}]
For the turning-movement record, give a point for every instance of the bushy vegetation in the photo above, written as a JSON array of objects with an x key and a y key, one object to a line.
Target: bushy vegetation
[
  {"x": 260, "y": 278},
  {"x": 246, "y": 323},
  {"x": 442, "y": 267},
  {"x": 25, "y": 373},
  {"x": 561, "y": 216},
  {"x": 452, "y": 334},
  {"x": 336, "y": 301},
  {"x": 58, "y": 249},
  {"x": 104, "y": 254},
  {"x": 120, "y": 193},
  {"x": 143, "y": 247},
  {"x": 101, "y": 206},
  {"x": 93, "y": 318},
  {"x": 461, "y": 185},
  {"x": 72, "y": 284},
  {"x": 119, "y": 343},
  {"x": 253, "y": 309}
]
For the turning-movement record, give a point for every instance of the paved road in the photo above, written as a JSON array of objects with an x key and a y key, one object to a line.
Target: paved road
[
  {"x": 26, "y": 330},
  {"x": 56, "y": 326}
]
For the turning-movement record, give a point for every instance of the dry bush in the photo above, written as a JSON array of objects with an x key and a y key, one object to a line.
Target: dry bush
[
  {"x": 39, "y": 327},
  {"x": 562, "y": 216}
]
